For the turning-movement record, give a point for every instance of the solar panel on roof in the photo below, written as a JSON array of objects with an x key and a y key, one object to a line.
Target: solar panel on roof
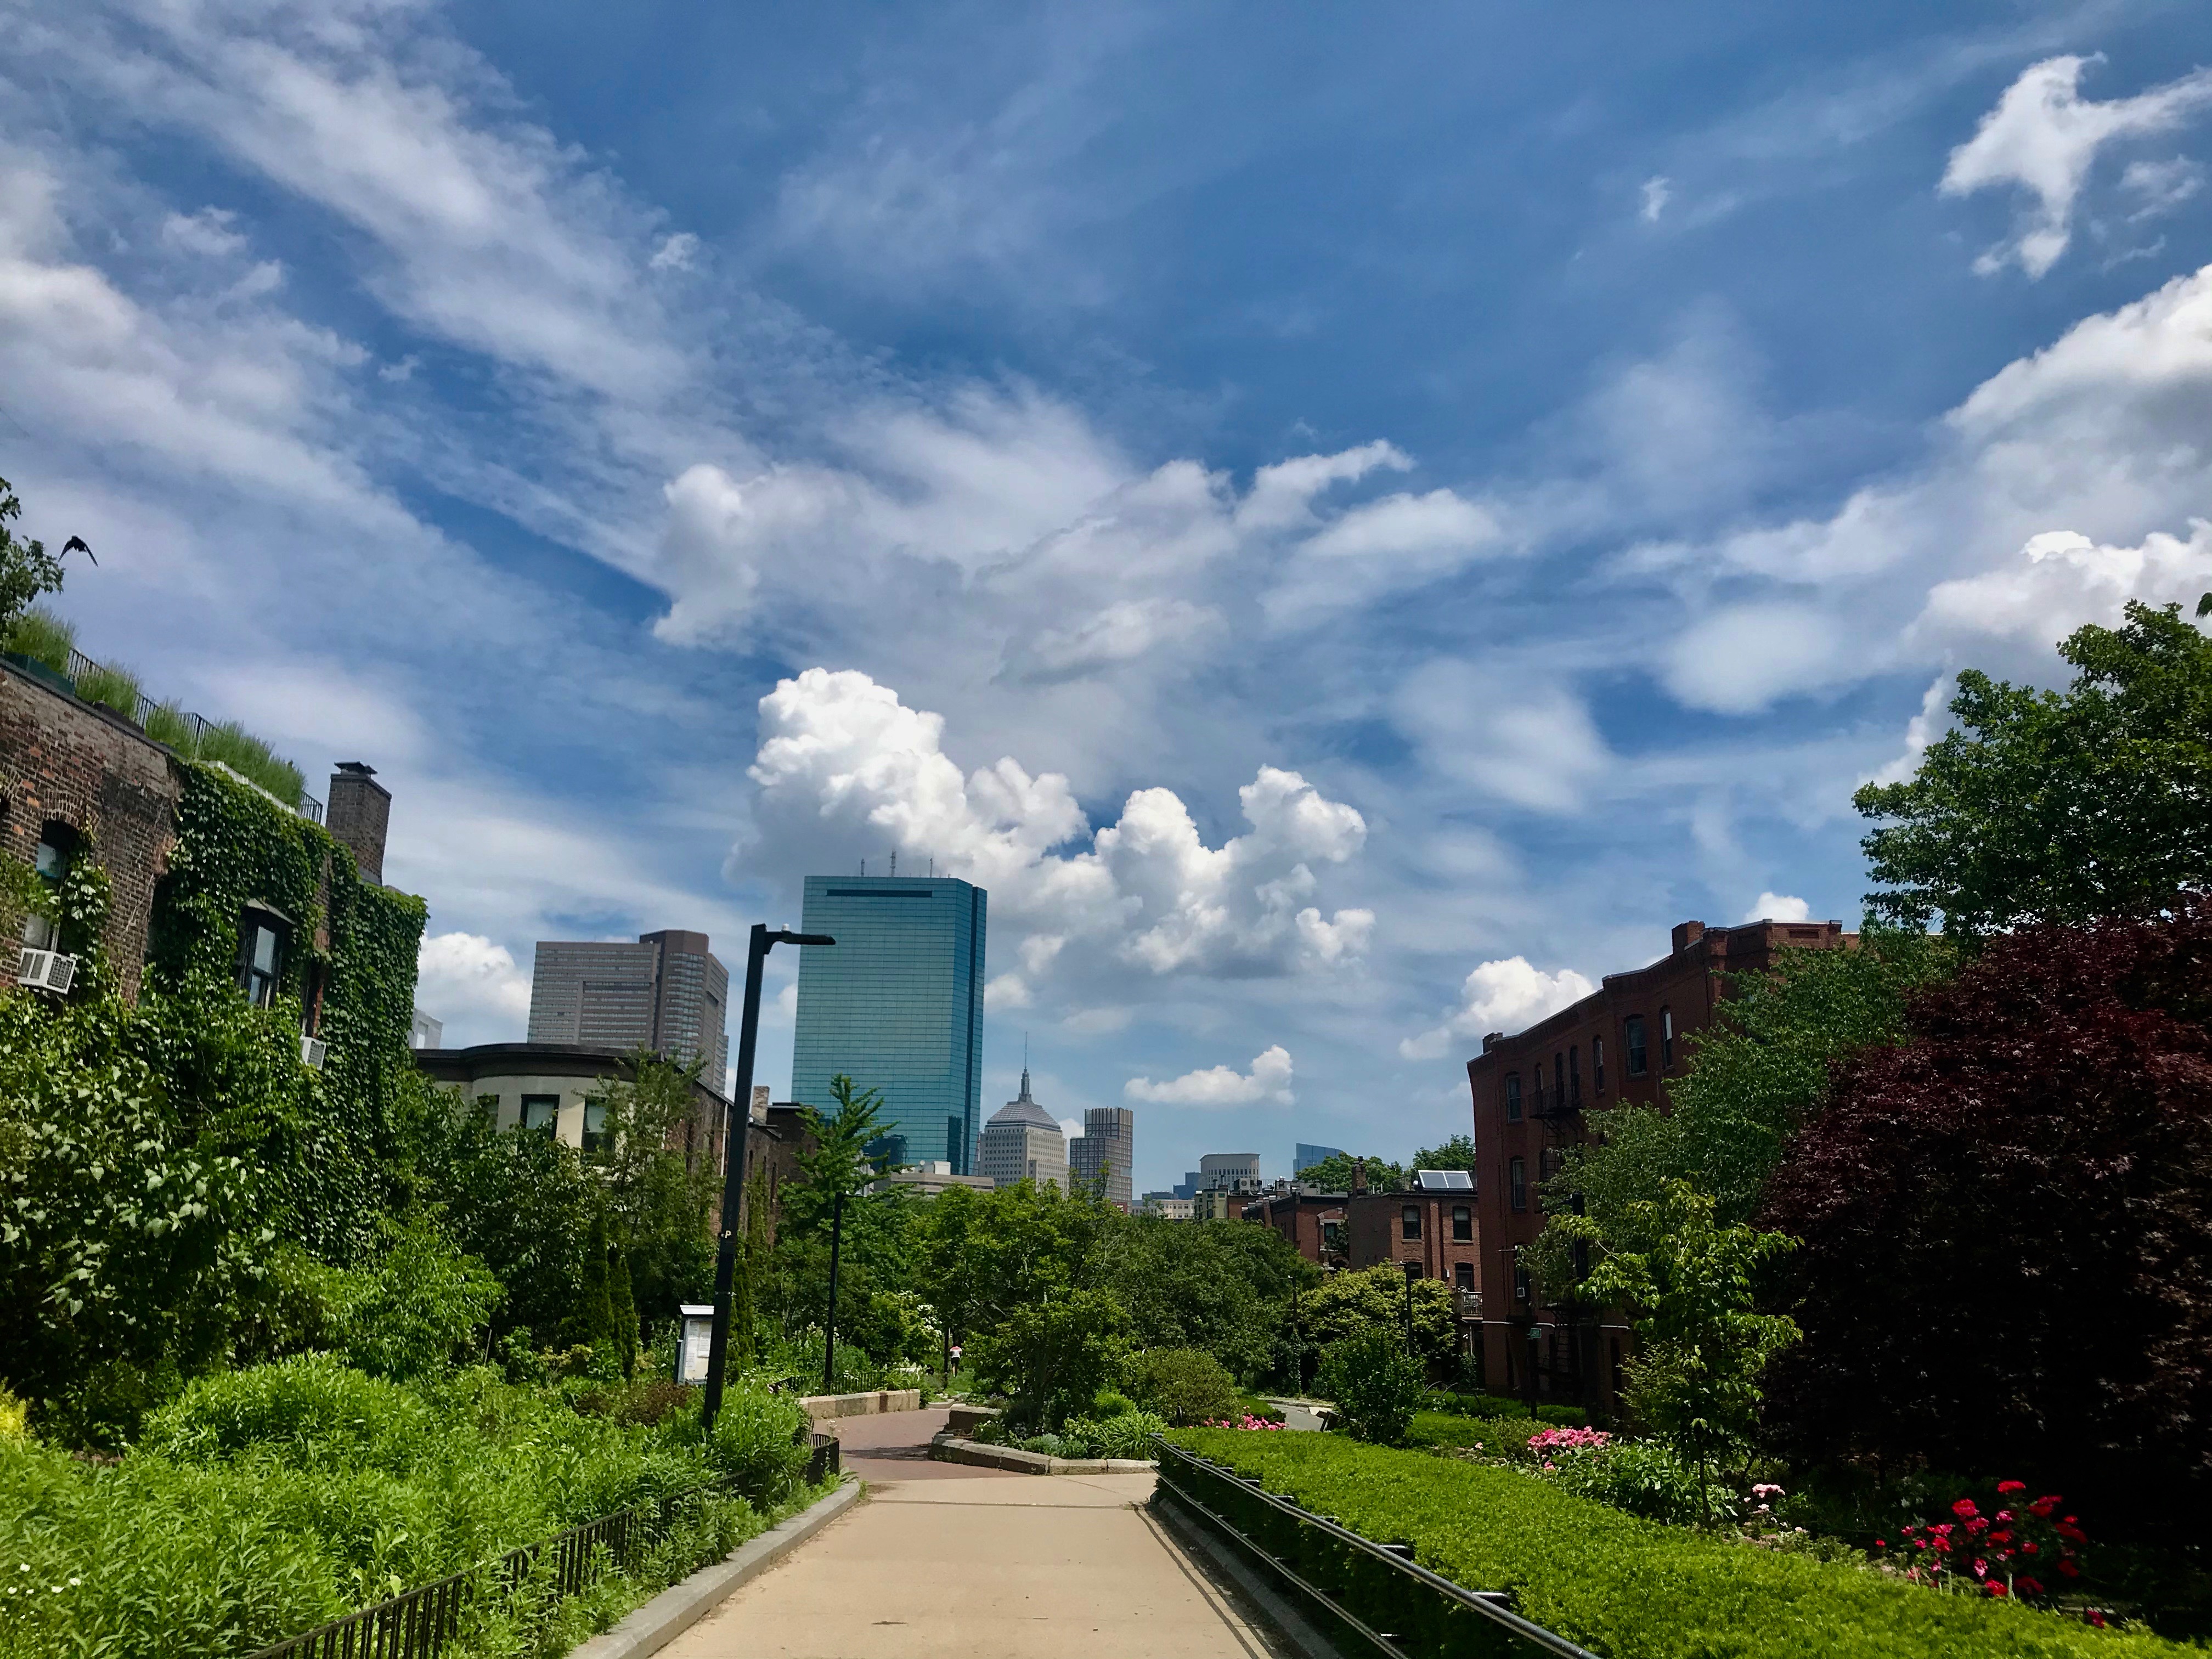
[{"x": 1445, "y": 1181}]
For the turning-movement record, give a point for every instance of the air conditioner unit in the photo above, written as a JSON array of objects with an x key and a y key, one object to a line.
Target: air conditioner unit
[
  {"x": 312, "y": 1050},
  {"x": 45, "y": 971}
]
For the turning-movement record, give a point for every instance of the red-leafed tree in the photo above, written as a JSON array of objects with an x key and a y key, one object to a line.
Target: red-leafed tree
[{"x": 2007, "y": 1224}]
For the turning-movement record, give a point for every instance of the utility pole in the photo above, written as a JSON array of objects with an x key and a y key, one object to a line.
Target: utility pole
[
  {"x": 733, "y": 1154},
  {"x": 830, "y": 1324}
]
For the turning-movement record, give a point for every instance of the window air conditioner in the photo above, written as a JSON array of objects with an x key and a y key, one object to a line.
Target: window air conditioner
[
  {"x": 45, "y": 971},
  {"x": 312, "y": 1050}
]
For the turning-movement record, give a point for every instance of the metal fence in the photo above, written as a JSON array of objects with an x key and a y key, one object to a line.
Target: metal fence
[
  {"x": 419, "y": 1623},
  {"x": 1365, "y": 1596}
]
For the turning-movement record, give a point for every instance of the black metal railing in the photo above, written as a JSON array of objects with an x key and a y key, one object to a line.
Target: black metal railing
[
  {"x": 1366, "y": 1596},
  {"x": 419, "y": 1623}
]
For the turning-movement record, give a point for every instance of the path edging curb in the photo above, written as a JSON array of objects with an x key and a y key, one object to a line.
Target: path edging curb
[
  {"x": 949, "y": 1449},
  {"x": 652, "y": 1627}
]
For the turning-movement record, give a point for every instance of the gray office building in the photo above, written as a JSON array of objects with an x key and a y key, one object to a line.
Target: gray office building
[
  {"x": 668, "y": 992},
  {"x": 1308, "y": 1155},
  {"x": 897, "y": 1004},
  {"x": 1106, "y": 1147}
]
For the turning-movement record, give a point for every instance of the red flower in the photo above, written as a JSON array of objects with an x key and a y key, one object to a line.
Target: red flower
[
  {"x": 2041, "y": 1507},
  {"x": 2072, "y": 1534},
  {"x": 2068, "y": 1568},
  {"x": 1879, "y": 1545},
  {"x": 2004, "y": 1537},
  {"x": 2029, "y": 1548},
  {"x": 2094, "y": 1617},
  {"x": 1964, "y": 1508},
  {"x": 2028, "y": 1586},
  {"x": 2011, "y": 1485},
  {"x": 1995, "y": 1587},
  {"x": 1977, "y": 1525}
]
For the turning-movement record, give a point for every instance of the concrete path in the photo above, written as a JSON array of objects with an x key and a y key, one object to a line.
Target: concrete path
[
  {"x": 1297, "y": 1414},
  {"x": 979, "y": 1564}
]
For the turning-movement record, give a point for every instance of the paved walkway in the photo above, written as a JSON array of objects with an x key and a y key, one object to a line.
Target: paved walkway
[{"x": 981, "y": 1564}]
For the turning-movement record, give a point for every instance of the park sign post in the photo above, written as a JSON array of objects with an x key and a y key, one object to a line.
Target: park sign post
[{"x": 733, "y": 1154}]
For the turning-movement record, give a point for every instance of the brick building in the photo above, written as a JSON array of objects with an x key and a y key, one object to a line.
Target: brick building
[
  {"x": 1312, "y": 1223},
  {"x": 1433, "y": 1223},
  {"x": 1626, "y": 1042}
]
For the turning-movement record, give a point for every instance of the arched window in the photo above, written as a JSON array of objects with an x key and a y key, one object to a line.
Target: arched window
[
  {"x": 1665, "y": 1039},
  {"x": 1631, "y": 1035},
  {"x": 1558, "y": 1081},
  {"x": 1517, "y": 1183},
  {"x": 1597, "y": 1065},
  {"x": 1574, "y": 1075},
  {"x": 1513, "y": 1097}
]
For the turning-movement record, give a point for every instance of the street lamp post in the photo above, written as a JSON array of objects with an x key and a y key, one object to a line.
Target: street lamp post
[{"x": 734, "y": 1152}]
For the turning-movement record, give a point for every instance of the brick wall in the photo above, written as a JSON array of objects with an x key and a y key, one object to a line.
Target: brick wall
[
  {"x": 64, "y": 761},
  {"x": 1375, "y": 1233}
]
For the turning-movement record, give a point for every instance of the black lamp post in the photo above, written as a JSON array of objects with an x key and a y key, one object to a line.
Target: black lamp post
[
  {"x": 829, "y": 1325},
  {"x": 733, "y": 1153}
]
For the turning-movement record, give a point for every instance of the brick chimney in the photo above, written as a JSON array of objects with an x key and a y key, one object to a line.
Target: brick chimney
[
  {"x": 360, "y": 810},
  {"x": 1688, "y": 933},
  {"x": 1358, "y": 1175}
]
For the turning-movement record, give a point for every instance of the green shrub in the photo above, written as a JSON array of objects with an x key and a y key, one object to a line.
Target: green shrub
[
  {"x": 1186, "y": 1385},
  {"x": 1110, "y": 1402},
  {"x": 760, "y": 1438},
  {"x": 1633, "y": 1588},
  {"x": 1375, "y": 1383},
  {"x": 111, "y": 688},
  {"x": 1495, "y": 1436},
  {"x": 230, "y": 744},
  {"x": 44, "y": 637},
  {"x": 1562, "y": 1417},
  {"x": 315, "y": 1408},
  {"x": 1127, "y": 1435},
  {"x": 1642, "y": 1477},
  {"x": 412, "y": 1308}
]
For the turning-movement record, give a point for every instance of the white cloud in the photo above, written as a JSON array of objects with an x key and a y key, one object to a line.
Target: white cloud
[
  {"x": 1740, "y": 657},
  {"x": 675, "y": 252},
  {"x": 1269, "y": 1080},
  {"x": 1399, "y": 542},
  {"x": 2064, "y": 579},
  {"x": 847, "y": 771},
  {"x": 1071, "y": 1129},
  {"x": 2043, "y": 137},
  {"x": 1518, "y": 737},
  {"x": 1777, "y": 906},
  {"x": 1507, "y": 995},
  {"x": 1655, "y": 195},
  {"x": 470, "y": 982},
  {"x": 2160, "y": 186},
  {"x": 207, "y": 231}
]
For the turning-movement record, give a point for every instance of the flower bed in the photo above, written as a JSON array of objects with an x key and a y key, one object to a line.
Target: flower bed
[{"x": 1639, "y": 1590}]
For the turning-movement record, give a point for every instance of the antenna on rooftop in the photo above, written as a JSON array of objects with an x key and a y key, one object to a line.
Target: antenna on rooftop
[
  {"x": 894, "y": 864},
  {"x": 864, "y": 866}
]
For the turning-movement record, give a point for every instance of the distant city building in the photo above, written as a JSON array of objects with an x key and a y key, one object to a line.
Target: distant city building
[
  {"x": 1188, "y": 1186},
  {"x": 1309, "y": 1155},
  {"x": 668, "y": 992},
  {"x": 426, "y": 1032},
  {"x": 1023, "y": 1142},
  {"x": 897, "y": 1006},
  {"x": 1164, "y": 1205},
  {"x": 1106, "y": 1147},
  {"x": 1230, "y": 1172},
  {"x": 928, "y": 1180}
]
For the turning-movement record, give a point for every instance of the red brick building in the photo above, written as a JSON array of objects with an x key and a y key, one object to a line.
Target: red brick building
[
  {"x": 1626, "y": 1041},
  {"x": 1312, "y": 1223}
]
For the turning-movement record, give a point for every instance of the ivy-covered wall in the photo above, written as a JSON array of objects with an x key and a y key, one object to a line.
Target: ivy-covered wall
[{"x": 354, "y": 942}]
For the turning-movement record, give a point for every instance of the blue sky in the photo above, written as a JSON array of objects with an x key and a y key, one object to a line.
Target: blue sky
[{"x": 1349, "y": 522}]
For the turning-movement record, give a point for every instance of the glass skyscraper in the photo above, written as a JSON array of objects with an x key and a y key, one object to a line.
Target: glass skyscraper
[{"x": 897, "y": 1004}]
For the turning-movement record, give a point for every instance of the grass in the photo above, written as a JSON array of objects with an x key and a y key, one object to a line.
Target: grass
[
  {"x": 1632, "y": 1588},
  {"x": 43, "y": 636},
  {"x": 116, "y": 689},
  {"x": 165, "y": 722},
  {"x": 253, "y": 759}
]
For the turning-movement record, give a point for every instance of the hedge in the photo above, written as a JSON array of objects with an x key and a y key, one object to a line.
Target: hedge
[{"x": 1637, "y": 1589}]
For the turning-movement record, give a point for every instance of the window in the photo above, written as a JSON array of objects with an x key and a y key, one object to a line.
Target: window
[
  {"x": 1513, "y": 1097},
  {"x": 540, "y": 1113},
  {"x": 1549, "y": 1163},
  {"x": 1463, "y": 1275},
  {"x": 57, "y": 846},
  {"x": 1409, "y": 1222},
  {"x": 1516, "y": 1183},
  {"x": 1537, "y": 1071},
  {"x": 1558, "y": 1082},
  {"x": 1574, "y": 1075},
  {"x": 595, "y": 1127},
  {"x": 1597, "y": 1065},
  {"x": 1665, "y": 1039},
  {"x": 260, "y": 957},
  {"x": 1631, "y": 1035},
  {"x": 1520, "y": 1283},
  {"x": 1462, "y": 1223}
]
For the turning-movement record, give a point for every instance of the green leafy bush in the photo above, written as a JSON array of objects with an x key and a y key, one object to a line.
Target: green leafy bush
[
  {"x": 1375, "y": 1384},
  {"x": 1127, "y": 1435},
  {"x": 44, "y": 637},
  {"x": 1633, "y": 1588},
  {"x": 1640, "y": 1476},
  {"x": 1111, "y": 1402},
  {"x": 315, "y": 1409},
  {"x": 1185, "y": 1386},
  {"x": 1495, "y": 1436},
  {"x": 111, "y": 688},
  {"x": 1562, "y": 1417},
  {"x": 760, "y": 1439}
]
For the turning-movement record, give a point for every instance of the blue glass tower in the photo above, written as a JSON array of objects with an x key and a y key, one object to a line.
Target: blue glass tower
[{"x": 897, "y": 1004}]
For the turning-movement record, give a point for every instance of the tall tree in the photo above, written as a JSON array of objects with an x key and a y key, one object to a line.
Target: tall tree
[
  {"x": 2048, "y": 806},
  {"x": 1334, "y": 1173},
  {"x": 1457, "y": 1153},
  {"x": 2006, "y": 1222},
  {"x": 1225, "y": 1286},
  {"x": 654, "y": 1166}
]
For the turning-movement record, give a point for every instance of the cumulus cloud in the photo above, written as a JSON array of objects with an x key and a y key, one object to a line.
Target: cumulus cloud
[
  {"x": 2043, "y": 137},
  {"x": 1269, "y": 1080},
  {"x": 675, "y": 252},
  {"x": 473, "y": 985},
  {"x": 2063, "y": 580},
  {"x": 1777, "y": 906},
  {"x": 847, "y": 771},
  {"x": 1506, "y": 995}
]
